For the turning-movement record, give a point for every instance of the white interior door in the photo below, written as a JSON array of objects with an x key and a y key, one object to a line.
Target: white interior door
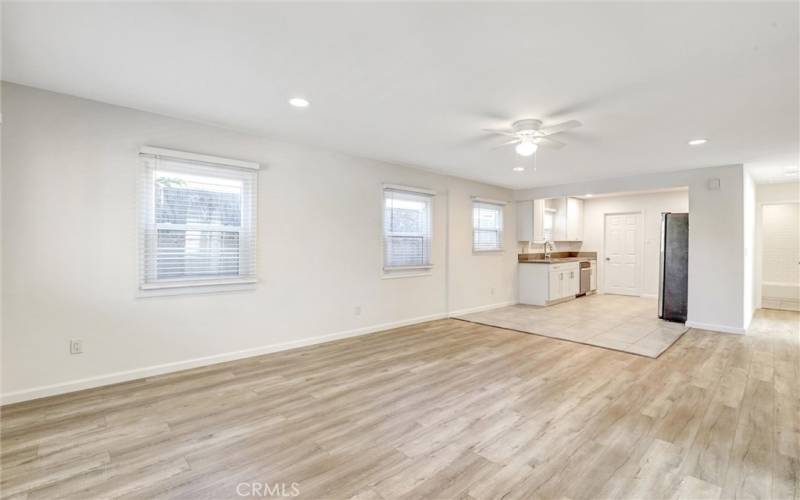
[{"x": 623, "y": 254}]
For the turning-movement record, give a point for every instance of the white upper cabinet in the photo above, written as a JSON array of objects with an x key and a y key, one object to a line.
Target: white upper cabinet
[
  {"x": 553, "y": 219},
  {"x": 525, "y": 221},
  {"x": 574, "y": 219}
]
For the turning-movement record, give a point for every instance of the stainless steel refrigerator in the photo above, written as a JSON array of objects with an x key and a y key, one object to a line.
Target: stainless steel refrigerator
[{"x": 673, "y": 283}]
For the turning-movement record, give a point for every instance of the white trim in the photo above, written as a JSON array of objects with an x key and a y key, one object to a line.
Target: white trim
[
  {"x": 157, "y": 285},
  {"x": 408, "y": 189},
  {"x": 391, "y": 275},
  {"x": 183, "y": 155},
  {"x": 489, "y": 307},
  {"x": 151, "y": 371},
  {"x": 648, "y": 296},
  {"x": 716, "y": 328},
  {"x": 489, "y": 201},
  {"x": 194, "y": 290}
]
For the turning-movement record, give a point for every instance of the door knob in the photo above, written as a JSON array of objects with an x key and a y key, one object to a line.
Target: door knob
[{"x": 608, "y": 258}]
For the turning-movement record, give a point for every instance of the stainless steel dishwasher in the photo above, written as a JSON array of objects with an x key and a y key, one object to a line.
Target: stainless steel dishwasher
[{"x": 586, "y": 278}]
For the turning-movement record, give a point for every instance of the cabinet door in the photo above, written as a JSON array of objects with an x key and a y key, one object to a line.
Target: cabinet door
[
  {"x": 567, "y": 288},
  {"x": 538, "y": 221},
  {"x": 574, "y": 219},
  {"x": 593, "y": 281},
  {"x": 525, "y": 221},
  {"x": 558, "y": 208},
  {"x": 574, "y": 282},
  {"x": 555, "y": 280}
]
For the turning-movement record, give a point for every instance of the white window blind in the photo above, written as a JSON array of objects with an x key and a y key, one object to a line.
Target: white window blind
[
  {"x": 487, "y": 226},
  {"x": 197, "y": 223},
  {"x": 406, "y": 228}
]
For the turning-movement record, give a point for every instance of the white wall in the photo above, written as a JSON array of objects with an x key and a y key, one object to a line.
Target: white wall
[
  {"x": 788, "y": 192},
  {"x": 749, "y": 228},
  {"x": 716, "y": 236},
  {"x": 651, "y": 205},
  {"x": 69, "y": 249}
]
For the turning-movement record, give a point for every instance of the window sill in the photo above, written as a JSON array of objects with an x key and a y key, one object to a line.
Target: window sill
[
  {"x": 488, "y": 252},
  {"x": 168, "y": 289},
  {"x": 407, "y": 273}
]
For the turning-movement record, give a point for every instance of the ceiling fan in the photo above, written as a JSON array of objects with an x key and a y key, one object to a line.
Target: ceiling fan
[{"x": 528, "y": 134}]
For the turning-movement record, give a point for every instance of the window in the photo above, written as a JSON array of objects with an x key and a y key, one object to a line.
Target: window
[
  {"x": 487, "y": 225},
  {"x": 406, "y": 228},
  {"x": 198, "y": 221}
]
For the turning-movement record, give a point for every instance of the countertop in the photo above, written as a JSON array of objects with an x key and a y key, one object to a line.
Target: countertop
[
  {"x": 556, "y": 260},
  {"x": 556, "y": 257}
]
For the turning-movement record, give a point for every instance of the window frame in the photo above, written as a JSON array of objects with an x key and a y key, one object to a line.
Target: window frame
[
  {"x": 247, "y": 229},
  {"x": 412, "y": 270},
  {"x": 477, "y": 202}
]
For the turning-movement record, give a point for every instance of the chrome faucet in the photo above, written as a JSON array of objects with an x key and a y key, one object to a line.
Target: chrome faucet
[{"x": 548, "y": 249}]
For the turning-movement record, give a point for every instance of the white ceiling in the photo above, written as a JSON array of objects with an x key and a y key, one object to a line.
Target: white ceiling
[{"x": 416, "y": 83}]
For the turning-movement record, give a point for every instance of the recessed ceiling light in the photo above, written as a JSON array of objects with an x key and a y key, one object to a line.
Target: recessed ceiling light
[
  {"x": 518, "y": 169},
  {"x": 697, "y": 142},
  {"x": 589, "y": 195},
  {"x": 299, "y": 102}
]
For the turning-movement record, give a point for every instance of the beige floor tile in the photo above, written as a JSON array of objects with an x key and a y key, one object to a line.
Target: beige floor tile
[{"x": 617, "y": 322}]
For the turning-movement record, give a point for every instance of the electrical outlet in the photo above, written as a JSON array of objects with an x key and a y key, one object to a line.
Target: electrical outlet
[
  {"x": 357, "y": 310},
  {"x": 76, "y": 346}
]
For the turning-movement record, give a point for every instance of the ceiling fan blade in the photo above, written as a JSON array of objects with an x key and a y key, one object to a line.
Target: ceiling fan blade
[
  {"x": 509, "y": 133},
  {"x": 561, "y": 127},
  {"x": 507, "y": 143},
  {"x": 551, "y": 143}
]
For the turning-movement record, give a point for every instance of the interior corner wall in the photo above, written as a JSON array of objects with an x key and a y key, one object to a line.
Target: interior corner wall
[
  {"x": 716, "y": 236},
  {"x": 69, "y": 251},
  {"x": 749, "y": 228}
]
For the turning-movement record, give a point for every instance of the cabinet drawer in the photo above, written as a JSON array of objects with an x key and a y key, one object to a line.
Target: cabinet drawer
[{"x": 568, "y": 266}]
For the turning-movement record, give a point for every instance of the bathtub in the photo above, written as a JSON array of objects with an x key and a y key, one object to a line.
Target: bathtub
[{"x": 780, "y": 295}]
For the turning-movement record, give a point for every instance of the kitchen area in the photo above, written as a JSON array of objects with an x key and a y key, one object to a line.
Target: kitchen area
[
  {"x": 591, "y": 269},
  {"x": 548, "y": 276}
]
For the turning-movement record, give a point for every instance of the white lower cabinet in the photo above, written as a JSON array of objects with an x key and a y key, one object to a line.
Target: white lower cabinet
[
  {"x": 555, "y": 284},
  {"x": 540, "y": 284}
]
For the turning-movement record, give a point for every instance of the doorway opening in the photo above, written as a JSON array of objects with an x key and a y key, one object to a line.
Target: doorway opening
[{"x": 780, "y": 256}]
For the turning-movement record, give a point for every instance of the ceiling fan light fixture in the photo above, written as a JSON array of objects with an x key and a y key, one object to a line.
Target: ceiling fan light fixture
[
  {"x": 526, "y": 148},
  {"x": 299, "y": 102}
]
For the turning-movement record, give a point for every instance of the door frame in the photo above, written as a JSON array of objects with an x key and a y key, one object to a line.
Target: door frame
[
  {"x": 758, "y": 249},
  {"x": 639, "y": 251}
]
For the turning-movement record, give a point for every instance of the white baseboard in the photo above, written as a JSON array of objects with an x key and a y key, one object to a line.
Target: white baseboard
[
  {"x": 150, "y": 371},
  {"x": 716, "y": 328},
  {"x": 489, "y": 307}
]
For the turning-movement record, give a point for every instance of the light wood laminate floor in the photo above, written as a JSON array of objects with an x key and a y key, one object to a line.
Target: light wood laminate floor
[{"x": 446, "y": 409}]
